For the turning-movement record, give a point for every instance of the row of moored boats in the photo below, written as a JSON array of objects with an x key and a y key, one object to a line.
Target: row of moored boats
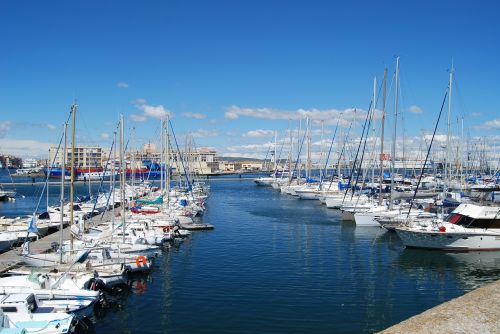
[
  {"x": 58, "y": 290},
  {"x": 422, "y": 219}
]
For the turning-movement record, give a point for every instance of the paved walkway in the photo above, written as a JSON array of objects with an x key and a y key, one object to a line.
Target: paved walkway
[
  {"x": 475, "y": 312},
  {"x": 11, "y": 258}
]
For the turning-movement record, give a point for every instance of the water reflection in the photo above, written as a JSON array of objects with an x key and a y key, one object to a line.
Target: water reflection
[{"x": 472, "y": 269}]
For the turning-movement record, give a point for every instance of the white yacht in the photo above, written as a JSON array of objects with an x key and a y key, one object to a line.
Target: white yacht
[{"x": 468, "y": 227}]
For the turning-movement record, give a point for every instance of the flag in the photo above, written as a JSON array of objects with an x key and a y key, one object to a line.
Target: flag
[
  {"x": 26, "y": 248},
  {"x": 32, "y": 225}
]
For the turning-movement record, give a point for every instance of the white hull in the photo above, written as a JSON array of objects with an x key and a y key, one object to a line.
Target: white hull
[
  {"x": 334, "y": 202},
  {"x": 347, "y": 215},
  {"x": 449, "y": 240},
  {"x": 308, "y": 195},
  {"x": 276, "y": 186},
  {"x": 264, "y": 181},
  {"x": 366, "y": 219}
]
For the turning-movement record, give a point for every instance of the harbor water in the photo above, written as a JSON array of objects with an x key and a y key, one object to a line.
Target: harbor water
[{"x": 276, "y": 264}]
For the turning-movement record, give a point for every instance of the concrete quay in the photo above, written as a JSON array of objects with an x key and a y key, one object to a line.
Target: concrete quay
[{"x": 477, "y": 311}]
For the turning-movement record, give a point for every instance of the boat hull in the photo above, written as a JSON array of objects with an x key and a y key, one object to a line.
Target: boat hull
[
  {"x": 365, "y": 219},
  {"x": 449, "y": 241}
]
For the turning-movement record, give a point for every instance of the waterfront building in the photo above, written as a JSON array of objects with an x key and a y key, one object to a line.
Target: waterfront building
[
  {"x": 30, "y": 163},
  {"x": 91, "y": 156},
  {"x": 251, "y": 165},
  {"x": 10, "y": 161},
  {"x": 201, "y": 161},
  {"x": 230, "y": 166}
]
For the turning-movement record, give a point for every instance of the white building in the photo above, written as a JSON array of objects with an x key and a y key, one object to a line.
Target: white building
[{"x": 85, "y": 156}]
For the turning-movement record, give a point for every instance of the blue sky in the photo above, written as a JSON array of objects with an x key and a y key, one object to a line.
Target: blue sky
[{"x": 231, "y": 72}]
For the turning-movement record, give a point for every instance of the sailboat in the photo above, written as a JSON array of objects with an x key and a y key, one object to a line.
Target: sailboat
[{"x": 56, "y": 258}]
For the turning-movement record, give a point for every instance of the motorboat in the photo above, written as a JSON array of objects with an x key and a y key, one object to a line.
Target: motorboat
[{"x": 468, "y": 227}]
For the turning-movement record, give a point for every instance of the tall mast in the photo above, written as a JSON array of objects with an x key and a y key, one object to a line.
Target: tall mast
[
  {"x": 72, "y": 181},
  {"x": 47, "y": 194},
  {"x": 462, "y": 156},
  {"x": 393, "y": 158},
  {"x": 299, "y": 161},
  {"x": 275, "y": 156},
  {"x": 162, "y": 156},
  {"x": 90, "y": 191},
  {"x": 322, "y": 172},
  {"x": 382, "y": 155},
  {"x": 448, "y": 135},
  {"x": 374, "y": 109},
  {"x": 132, "y": 161},
  {"x": 113, "y": 180},
  {"x": 340, "y": 148},
  {"x": 290, "y": 154},
  {"x": 167, "y": 164},
  {"x": 308, "y": 162},
  {"x": 122, "y": 179},
  {"x": 63, "y": 168}
]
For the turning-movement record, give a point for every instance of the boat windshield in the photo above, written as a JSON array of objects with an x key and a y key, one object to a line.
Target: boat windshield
[{"x": 470, "y": 222}]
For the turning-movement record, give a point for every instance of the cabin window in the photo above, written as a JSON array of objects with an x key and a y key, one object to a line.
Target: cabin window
[
  {"x": 486, "y": 223},
  {"x": 9, "y": 309},
  {"x": 464, "y": 221}
]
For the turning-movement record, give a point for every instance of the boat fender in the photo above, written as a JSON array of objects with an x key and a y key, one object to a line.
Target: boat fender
[
  {"x": 442, "y": 229},
  {"x": 140, "y": 261}
]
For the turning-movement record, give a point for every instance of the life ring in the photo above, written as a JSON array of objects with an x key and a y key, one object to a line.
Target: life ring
[{"x": 140, "y": 261}]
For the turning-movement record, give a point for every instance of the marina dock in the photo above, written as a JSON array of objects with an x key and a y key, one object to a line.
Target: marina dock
[
  {"x": 475, "y": 312},
  {"x": 11, "y": 258}
]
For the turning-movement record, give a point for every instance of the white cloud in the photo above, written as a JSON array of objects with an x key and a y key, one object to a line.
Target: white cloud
[
  {"x": 327, "y": 117},
  {"x": 204, "y": 133},
  {"x": 122, "y": 85},
  {"x": 154, "y": 111},
  {"x": 493, "y": 124},
  {"x": 259, "y": 133},
  {"x": 319, "y": 132},
  {"x": 475, "y": 114},
  {"x": 194, "y": 115},
  {"x": 234, "y": 112},
  {"x": 415, "y": 109},
  {"x": 35, "y": 125},
  {"x": 4, "y": 128},
  {"x": 140, "y": 101},
  {"x": 148, "y": 110},
  {"x": 242, "y": 155},
  {"x": 26, "y": 147},
  {"x": 104, "y": 135},
  {"x": 439, "y": 138},
  {"x": 251, "y": 147},
  {"x": 138, "y": 118}
]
